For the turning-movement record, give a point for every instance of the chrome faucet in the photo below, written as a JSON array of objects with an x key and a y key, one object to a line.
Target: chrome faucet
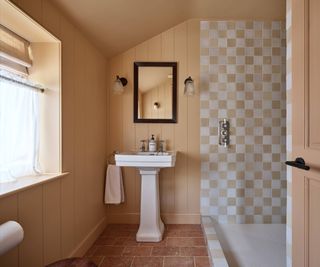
[
  {"x": 142, "y": 146},
  {"x": 162, "y": 145}
]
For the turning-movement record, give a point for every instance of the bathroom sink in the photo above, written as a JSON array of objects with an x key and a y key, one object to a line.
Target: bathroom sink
[
  {"x": 152, "y": 153},
  {"x": 146, "y": 159},
  {"x": 151, "y": 227}
]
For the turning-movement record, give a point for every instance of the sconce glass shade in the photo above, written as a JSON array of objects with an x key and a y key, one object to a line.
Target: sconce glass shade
[
  {"x": 189, "y": 89},
  {"x": 156, "y": 105},
  {"x": 119, "y": 84}
]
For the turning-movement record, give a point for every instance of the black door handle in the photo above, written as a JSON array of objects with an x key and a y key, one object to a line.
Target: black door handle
[{"x": 298, "y": 163}]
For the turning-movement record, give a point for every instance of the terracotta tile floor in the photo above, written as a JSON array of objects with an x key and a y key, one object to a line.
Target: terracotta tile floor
[{"x": 182, "y": 246}]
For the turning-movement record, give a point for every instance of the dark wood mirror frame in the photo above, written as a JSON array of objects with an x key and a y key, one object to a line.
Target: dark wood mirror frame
[{"x": 136, "y": 65}]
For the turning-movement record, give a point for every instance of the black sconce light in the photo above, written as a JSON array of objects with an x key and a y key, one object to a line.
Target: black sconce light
[
  {"x": 189, "y": 89},
  {"x": 119, "y": 84},
  {"x": 156, "y": 105}
]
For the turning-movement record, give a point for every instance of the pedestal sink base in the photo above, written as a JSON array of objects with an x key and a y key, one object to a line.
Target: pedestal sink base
[
  {"x": 149, "y": 163},
  {"x": 151, "y": 227},
  {"x": 150, "y": 236}
]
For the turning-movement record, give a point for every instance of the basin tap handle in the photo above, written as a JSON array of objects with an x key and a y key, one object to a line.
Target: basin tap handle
[
  {"x": 142, "y": 145},
  {"x": 162, "y": 144}
]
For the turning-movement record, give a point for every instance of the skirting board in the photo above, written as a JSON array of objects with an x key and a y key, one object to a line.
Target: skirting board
[
  {"x": 88, "y": 241},
  {"x": 168, "y": 218}
]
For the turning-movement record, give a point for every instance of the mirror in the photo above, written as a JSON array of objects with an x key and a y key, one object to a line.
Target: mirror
[{"x": 155, "y": 92}]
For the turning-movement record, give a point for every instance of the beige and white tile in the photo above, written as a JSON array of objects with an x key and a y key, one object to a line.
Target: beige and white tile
[{"x": 243, "y": 79}]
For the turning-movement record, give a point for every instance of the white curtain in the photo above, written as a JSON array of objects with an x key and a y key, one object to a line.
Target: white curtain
[{"x": 19, "y": 130}]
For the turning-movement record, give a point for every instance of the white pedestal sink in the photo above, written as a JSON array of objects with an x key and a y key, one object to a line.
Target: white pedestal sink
[{"x": 151, "y": 227}]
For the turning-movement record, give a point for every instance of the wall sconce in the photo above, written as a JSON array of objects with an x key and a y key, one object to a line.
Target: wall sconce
[
  {"x": 119, "y": 84},
  {"x": 189, "y": 89},
  {"x": 156, "y": 105}
]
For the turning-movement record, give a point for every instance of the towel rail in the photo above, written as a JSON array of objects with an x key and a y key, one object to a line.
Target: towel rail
[{"x": 111, "y": 159}]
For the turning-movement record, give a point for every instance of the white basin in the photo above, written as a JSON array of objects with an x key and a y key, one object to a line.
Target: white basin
[
  {"x": 146, "y": 159},
  {"x": 149, "y": 163}
]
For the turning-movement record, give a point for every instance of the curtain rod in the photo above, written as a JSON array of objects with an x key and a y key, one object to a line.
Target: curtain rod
[{"x": 34, "y": 87}]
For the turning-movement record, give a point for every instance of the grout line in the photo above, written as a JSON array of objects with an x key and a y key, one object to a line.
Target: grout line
[
  {"x": 132, "y": 261},
  {"x": 101, "y": 261}
]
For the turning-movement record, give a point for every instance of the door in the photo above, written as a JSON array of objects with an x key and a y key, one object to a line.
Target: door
[{"x": 306, "y": 132}]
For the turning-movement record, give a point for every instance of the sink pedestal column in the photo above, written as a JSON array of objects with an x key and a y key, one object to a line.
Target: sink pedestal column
[{"x": 151, "y": 227}]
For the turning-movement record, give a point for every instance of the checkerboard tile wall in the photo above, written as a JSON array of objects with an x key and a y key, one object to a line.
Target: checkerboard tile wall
[{"x": 243, "y": 79}]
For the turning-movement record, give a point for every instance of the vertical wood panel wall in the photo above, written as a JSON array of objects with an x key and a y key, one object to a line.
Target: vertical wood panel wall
[
  {"x": 64, "y": 216},
  {"x": 179, "y": 186}
]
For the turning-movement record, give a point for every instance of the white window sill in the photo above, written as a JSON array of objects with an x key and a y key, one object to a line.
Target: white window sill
[{"x": 22, "y": 183}]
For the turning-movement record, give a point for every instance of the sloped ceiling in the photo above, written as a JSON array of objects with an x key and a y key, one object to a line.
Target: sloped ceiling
[{"x": 117, "y": 25}]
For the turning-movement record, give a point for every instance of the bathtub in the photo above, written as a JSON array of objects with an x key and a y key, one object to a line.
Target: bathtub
[{"x": 245, "y": 245}]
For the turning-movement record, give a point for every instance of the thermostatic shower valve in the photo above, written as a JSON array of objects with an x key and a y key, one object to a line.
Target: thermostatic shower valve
[{"x": 224, "y": 132}]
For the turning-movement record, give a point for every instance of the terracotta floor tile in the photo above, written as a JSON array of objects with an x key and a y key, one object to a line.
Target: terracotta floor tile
[
  {"x": 137, "y": 251},
  {"x": 182, "y": 246},
  {"x": 108, "y": 251},
  {"x": 118, "y": 241},
  {"x": 193, "y": 251},
  {"x": 123, "y": 227},
  {"x": 178, "y": 262},
  {"x": 185, "y": 241},
  {"x": 162, "y": 243},
  {"x": 105, "y": 240},
  {"x": 118, "y": 233},
  {"x": 97, "y": 259},
  {"x": 183, "y": 233},
  {"x": 91, "y": 251},
  {"x": 185, "y": 227},
  {"x": 147, "y": 262},
  {"x": 126, "y": 241},
  {"x": 202, "y": 262},
  {"x": 117, "y": 262},
  {"x": 165, "y": 251}
]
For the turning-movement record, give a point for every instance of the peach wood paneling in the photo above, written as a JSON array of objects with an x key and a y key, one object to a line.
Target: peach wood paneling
[
  {"x": 314, "y": 220},
  {"x": 68, "y": 92},
  {"x": 314, "y": 78},
  {"x": 62, "y": 217},
  {"x": 51, "y": 221},
  {"x": 9, "y": 211},
  {"x": 193, "y": 117},
  {"x": 179, "y": 186},
  {"x": 305, "y": 132},
  {"x": 30, "y": 210}
]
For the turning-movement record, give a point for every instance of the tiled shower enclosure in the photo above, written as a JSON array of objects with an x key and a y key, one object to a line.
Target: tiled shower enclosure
[{"x": 243, "y": 79}]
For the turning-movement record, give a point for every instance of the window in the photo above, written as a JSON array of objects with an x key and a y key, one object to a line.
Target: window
[
  {"x": 19, "y": 109},
  {"x": 19, "y": 128},
  {"x": 30, "y": 122}
]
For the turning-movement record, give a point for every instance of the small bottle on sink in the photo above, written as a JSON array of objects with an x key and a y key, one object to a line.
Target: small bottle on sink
[{"x": 152, "y": 144}]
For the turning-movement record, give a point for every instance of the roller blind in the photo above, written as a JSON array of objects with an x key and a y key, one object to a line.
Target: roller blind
[{"x": 14, "y": 51}]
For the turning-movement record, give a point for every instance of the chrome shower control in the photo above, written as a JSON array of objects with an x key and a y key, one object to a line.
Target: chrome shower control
[{"x": 224, "y": 132}]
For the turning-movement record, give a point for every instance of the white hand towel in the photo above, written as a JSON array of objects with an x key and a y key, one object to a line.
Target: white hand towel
[{"x": 114, "y": 192}]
